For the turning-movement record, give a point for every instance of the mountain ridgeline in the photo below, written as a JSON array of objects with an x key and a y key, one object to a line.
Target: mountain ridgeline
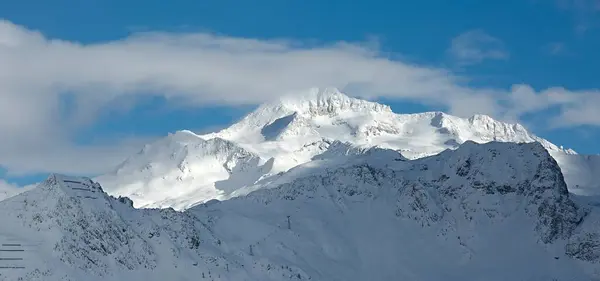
[
  {"x": 495, "y": 211},
  {"x": 318, "y": 187},
  {"x": 185, "y": 169}
]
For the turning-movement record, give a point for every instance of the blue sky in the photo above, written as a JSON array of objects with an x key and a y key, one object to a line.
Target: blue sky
[{"x": 487, "y": 47}]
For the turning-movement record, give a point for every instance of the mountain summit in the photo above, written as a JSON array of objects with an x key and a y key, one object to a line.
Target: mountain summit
[
  {"x": 185, "y": 169},
  {"x": 299, "y": 110}
]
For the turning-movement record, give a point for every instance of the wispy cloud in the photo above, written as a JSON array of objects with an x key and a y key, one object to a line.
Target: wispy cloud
[
  {"x": 475, "y": 46},
  {"x": 38, "y": 75}
]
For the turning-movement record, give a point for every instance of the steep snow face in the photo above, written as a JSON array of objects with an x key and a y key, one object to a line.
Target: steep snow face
[
  {"x": 184, "y": 169},
  {"x": 298, "y": 129},
  {"x": 581, "y": 172},
  {"x": 483, "y": 212}
]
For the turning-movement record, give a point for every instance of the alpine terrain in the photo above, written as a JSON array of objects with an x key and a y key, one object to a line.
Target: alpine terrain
[
  {"x": 496, "y": 211},
  {"x": 318, "y": 186},
  {"x": 185, "y": 169}
]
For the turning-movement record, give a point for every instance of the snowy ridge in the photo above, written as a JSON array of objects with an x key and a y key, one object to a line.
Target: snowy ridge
[
  {"x": 305, "y": 127},
  {"x": 523, "y": 170},
  {"x": 331, "y": 114},
  {"x": 313, "y": 103},
  {"x": 329, "y": 101},
  {"x": 497, "y": 211},
  {"x": 71, "y": 230},
  {"x": 195, "y": 168}
]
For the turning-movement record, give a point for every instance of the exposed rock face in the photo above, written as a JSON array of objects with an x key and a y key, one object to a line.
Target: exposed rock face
[{"x": 585, "y": 247}]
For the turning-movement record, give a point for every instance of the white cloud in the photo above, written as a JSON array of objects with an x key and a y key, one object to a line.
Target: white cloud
[
  {"x": 475, "y": 46},
  {"x": 8, "y": 190},
  {"x": 36, "y": 73}
]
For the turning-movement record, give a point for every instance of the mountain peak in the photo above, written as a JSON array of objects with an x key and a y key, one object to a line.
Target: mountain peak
[
  {"x": 301, "y": 106},
  {"x": 327, "y": 101},
  {"x": 184, "y": 168},
  {"x": 72, "y": 185}
]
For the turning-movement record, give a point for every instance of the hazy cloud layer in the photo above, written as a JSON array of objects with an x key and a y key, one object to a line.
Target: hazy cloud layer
[{"x": 50, "y": 89}]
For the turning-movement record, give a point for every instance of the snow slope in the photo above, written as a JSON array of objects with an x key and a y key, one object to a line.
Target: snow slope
[
  {"x": 296, "y": 129},
  {"x": 581, "y": 171},
  {"x": 183, "y": 169},
  {"x": 497, "y": 211}
]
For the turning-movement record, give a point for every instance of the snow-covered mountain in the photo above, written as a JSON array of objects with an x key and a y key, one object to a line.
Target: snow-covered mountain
[
  {"x": 496, "y": 211},
  {"x": 185, "y": 169}
]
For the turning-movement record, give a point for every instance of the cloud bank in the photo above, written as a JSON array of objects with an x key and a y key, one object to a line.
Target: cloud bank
[{"x": 51, "y": 88}]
